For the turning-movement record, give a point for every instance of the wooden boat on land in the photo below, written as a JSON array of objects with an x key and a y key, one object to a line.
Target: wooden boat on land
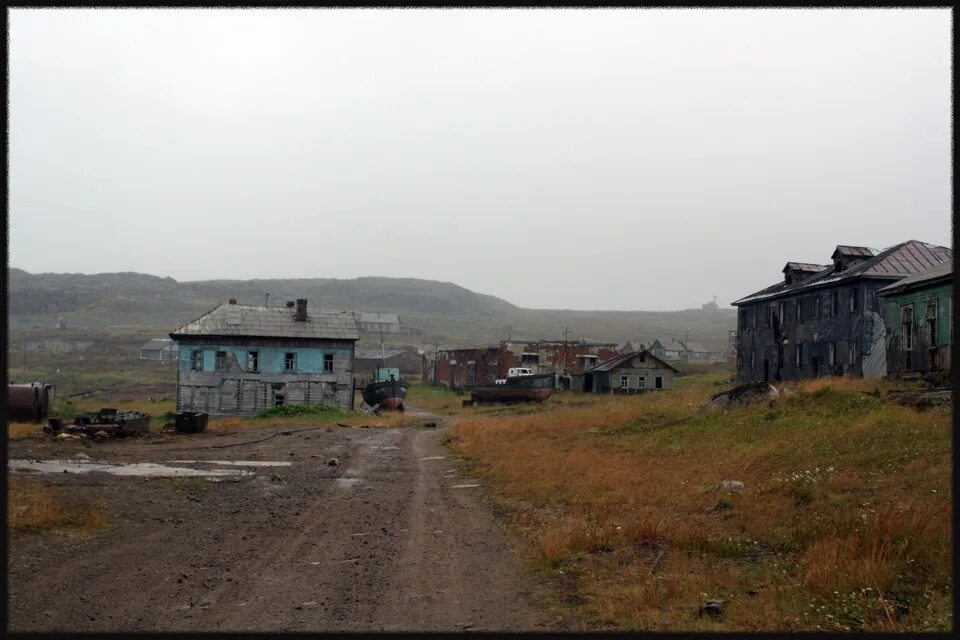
[
  {"x": 531, "y": 388},
  {"x": 389, "y": 394}
]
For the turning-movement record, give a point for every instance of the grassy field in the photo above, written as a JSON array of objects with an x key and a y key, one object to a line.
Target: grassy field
[
  {"x": 844, "y": 522},
  {"x": 33, "y": 506}
]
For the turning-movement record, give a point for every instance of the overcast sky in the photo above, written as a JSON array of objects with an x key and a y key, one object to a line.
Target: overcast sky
[{"x": 615, "y": 159}]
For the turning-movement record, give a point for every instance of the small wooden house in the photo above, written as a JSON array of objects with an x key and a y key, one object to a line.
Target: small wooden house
[{"x": 634, "y": 372}]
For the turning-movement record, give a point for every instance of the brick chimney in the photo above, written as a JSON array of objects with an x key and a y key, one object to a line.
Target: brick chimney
[
  {"x": 233, "y": 301},
  {"x": 301, "y": 313}
]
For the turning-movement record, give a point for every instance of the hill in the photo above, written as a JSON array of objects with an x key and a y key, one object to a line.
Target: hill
[{"x": 438, "y": 312}]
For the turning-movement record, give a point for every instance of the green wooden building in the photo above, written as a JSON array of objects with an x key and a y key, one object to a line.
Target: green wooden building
[{"x": 917, "y": 315}]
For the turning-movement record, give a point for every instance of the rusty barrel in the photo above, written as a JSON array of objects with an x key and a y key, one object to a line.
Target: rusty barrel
[{"x": 28, "y": 402}]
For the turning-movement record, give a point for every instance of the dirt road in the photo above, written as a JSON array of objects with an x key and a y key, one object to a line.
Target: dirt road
[{"x": 394, "y": 537}]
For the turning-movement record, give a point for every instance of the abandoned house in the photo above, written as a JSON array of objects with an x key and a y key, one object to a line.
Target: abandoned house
[
  {"x": 826, "y": 319},
  {"x": 459, "y": 368},
  {"x": 160, "y": 349},
  {"x": 635, "y": 372},
  {"x": 917, "y": 312},
  {"x": 554, "y": 356},
  {"x": 239, "y": 359},
  {"x": 377, "y": 322}
]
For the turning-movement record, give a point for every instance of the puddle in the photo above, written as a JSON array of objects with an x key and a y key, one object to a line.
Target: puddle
[
  {"x": 389, "y": 448},
  {"x": 434, "y": 458},
  {"x": 347, "y": 482},
  {"x": 463, "y": 486},
  {"x": 235, "y": 463},
  {"x": 137, "y": 469}
]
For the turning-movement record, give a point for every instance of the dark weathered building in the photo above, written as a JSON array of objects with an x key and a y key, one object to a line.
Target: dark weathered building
[
  {"x": 917, "y": 312},
  {"x": 239, "y": 359},
  {"x": 826, "y": 319}
]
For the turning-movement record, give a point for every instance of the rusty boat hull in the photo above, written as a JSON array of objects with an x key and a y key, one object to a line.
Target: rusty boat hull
[{"x": 535, "y": 388}]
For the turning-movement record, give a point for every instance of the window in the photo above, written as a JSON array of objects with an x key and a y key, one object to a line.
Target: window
[
  {"x": 642, "y": 382},
  {"x": 530, "y": 358},
  {"x": 624, "y": 382},
  {"x": 799, "y": 355},
  {"x": 906, "y": 327},
  {"x": 753, "y": 359},
  {"x": 328, "y": 362},
  {"x": 834, "y": 304},
  {"x": 931, "y": 318},
  {"x": 831, "y": 353},
  {"x": 220, "y": 362},
  {"x": 816, "y": 307},
  {"x": 658, "y": 382},
  {"x": 780, "y": 310},
  {"x": 852, "y": 303},
  {"x": 196, "y": 360},
  {"x": 253, "y": 361},
  {"x": 798, "y": 310},
  {"x": 290, "y": 362},
  {"x": 852, "y": 352}
]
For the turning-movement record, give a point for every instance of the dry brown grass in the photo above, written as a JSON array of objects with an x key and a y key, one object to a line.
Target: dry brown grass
[
  {"x": 33, "y": 506},
  {"x": 24, "y": 430},
  {"x": 844, "y": 522}
]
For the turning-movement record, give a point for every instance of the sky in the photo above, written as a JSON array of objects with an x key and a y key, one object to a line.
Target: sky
[{"x": 628, "y": 159}]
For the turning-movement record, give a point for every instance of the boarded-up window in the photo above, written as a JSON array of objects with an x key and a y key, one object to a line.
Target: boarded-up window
[{"x": 906, "y": 327}]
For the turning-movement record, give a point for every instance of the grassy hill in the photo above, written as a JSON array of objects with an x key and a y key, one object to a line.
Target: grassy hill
[{"x": 442, "y": 312}]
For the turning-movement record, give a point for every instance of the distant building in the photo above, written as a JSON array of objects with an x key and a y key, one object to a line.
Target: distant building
[
  {"x": 826, "y": 319},
  {"x": 635, "y": 372},
  {"x": 710, "y": 306},
  {"x": 917, "y": 313},
  {"x": 677, "y": 350},
  {"x": 368, "y": 359},
  {"x": 160, "y": 349},
  {"x": 377, "y": 322},
  {"x": 240, "y": 359}
]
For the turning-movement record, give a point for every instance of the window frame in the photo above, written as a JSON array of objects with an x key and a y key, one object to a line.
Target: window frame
[
  {"x": 220, "y": 361},
  {"x": 196, "y": 360},
  {"x": 253, "y": 361},
  {"x": 328, "y": 363},
  {"x": 290, "y": 363},
  {"x": 658, "y": 382},
  {"x": 641, "y": 382},
  {"x": 906, "y": 327},
  {"x": 624, "y": 381}
]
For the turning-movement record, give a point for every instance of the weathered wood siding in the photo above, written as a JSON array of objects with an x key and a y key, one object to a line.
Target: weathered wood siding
[{"x": 929, "y": 352}]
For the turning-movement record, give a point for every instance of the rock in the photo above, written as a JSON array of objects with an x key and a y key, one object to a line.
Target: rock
[
  {"x": 333, "y": 462},
  {"x": 745, "y": 394},
  {"x": 81, "y": 456},
  {"x": 712, "y": 608},
  {"x": 101, "y": 434},
  {"x": 67, "y": 436},
  {"x": 275, "y": 478},
  {"x": 734, "y": 486},
  {"x": 430, "y": 425}
]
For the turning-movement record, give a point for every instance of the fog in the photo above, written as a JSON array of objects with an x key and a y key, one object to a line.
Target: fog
[{"x": 579, "y": 159}]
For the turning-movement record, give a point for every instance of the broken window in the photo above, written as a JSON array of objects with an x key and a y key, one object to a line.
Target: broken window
[
  {"x": 831, "y": 353},
  {"x": 658, "y": 382},
  {"x": 835, "y": 304},
  {"x": 852, "y": 304},
  {"x": 290, "y": 362},
  {"x": 816, "y": 307},
  {"x": 253, "y": 361},
  {"x": 196, "y": 360},
  {"x": 799, "y": 355},
  {"x": 220, "y": 362},
  {"x": 328, "y": 362},
  {"x": 642, "y": 381},
  {"x": 798, "y": 310},
  {"x": 530, "y": 358},
  {"x": 906, "y": 327},
  {"x": 624, "y": 382}
]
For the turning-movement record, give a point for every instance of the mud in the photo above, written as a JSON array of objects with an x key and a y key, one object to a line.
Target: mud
[{"x": 388, "y": 540}]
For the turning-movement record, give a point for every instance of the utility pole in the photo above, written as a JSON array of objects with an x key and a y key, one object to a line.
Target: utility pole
[
  {"x": 686, "y": 349},
  {"x": 265, "y": 298},
  {"x": 566, "y": 331}
]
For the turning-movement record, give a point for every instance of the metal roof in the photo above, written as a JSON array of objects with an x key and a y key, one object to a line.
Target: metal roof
[
  {"x": 271, "y": 322},
  {"x": 158, "y": 344},
  {"x": 806, "y": 267},
  {"x": 616, "y": 361},
  {"x": 939, "y": 272},
  {"x": 892, "y": 263},
  {"x": 847, "y": 250}
]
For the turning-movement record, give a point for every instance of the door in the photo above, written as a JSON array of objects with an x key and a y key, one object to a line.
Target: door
[
  {"x": 814, "y": 364},
  {"x": 766, "y": 370}
]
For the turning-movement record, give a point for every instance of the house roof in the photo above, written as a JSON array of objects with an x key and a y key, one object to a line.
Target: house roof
[
  {"x": 374, "y": 353},
  {"x": 613, "y": 363},
  {"x": 847, "y": 250},
  {"x": 892, "y": 263},
  {"x": 158, "y": 344},
  {"x": 390, "y": 318},
  {"x": 696, "y": 346},
  {"x": 930, "y": 276},
  {"x": 806, "y": 267},
  {"x": 274, "y": 322}
]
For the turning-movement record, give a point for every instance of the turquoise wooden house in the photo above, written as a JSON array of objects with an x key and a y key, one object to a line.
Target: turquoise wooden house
[
  {"x": 917, "y": 314},
  {"x": 240, "y": 359}
]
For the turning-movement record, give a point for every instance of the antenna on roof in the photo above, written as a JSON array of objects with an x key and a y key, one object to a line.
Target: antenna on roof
[{"x": 267, "y": 297}]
